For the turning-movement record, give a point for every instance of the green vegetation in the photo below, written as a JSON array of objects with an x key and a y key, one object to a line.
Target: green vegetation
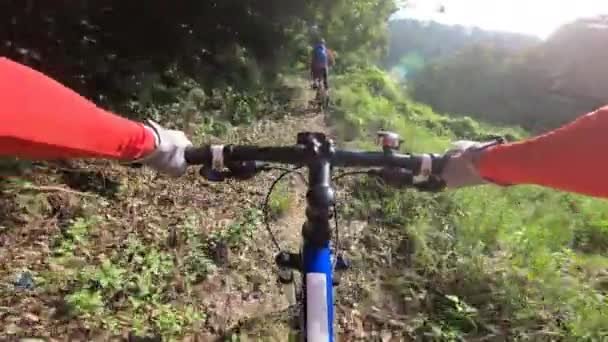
[
  {"x": 137, "y": 284},
  {"x": 115, "y": 251},
  {"x": 368, "y": 100},
  {"x": 121, "y": 56},
  {"x": 280, "y": 201},
  {"x": 525, "y": 261},
  {"x": 239, "y": 231},
  {"x": 519, "y": 263},
  {"x": 122, "y": 289}
]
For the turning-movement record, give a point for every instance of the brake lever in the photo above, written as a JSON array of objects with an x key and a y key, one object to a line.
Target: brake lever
[
  {"x": 394, "y": 176},
  {"x": 236, "y": 170},
  {"x": 213, "y": 175},
  {"x": 402, "y": 178},
  {"x": 247, "y": 170}
]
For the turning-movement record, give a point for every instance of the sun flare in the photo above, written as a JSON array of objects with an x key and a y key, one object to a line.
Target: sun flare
[{"x": 534, "y": 17}]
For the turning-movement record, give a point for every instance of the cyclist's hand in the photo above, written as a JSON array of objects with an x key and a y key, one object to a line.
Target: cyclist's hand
[
  {"x": 460, "y": 169},
  {"x": 168, "y": 157}
]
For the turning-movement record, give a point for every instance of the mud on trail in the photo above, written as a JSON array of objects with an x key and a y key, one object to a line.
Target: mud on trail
[{"x": 76, "y": 239}]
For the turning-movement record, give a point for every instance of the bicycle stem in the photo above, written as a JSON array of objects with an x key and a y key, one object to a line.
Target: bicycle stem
[{"x": 320, "y": 196}]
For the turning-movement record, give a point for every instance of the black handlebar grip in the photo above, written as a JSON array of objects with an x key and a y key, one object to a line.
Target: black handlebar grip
[{"x": 198, "y": 155}]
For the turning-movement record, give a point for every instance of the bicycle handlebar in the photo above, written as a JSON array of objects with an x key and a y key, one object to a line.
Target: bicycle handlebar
[
  {"x": 293, "y": 155},
  {"x": 424, "y": 165},
  {"x": 319, "y": 155}
]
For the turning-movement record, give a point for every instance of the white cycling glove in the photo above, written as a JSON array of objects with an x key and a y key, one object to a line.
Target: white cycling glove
[
  {"x": 461, "y": 167},
  {"x": 169, "y": 155}
]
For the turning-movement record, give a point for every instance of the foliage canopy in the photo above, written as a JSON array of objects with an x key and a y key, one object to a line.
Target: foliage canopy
[{"x": 110, "y": 50}]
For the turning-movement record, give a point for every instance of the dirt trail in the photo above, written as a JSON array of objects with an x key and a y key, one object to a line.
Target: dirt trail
[
  {"x": 240, "y": 296},
  {"x": 140, "y": 203},
  {"x": 258, "y": 312},
  {"x": 365, "y": 308}
]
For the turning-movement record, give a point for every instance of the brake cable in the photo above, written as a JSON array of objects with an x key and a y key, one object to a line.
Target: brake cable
[
  {"x": 337, "y": 239},
  {"x": 286, "y": 171},
  {"x": 350, "y": 173}
]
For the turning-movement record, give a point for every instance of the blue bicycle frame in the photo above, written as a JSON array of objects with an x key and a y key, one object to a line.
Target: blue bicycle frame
[
  {"x": 317, "y": 292},
  {"x": 317, "y": 284}
]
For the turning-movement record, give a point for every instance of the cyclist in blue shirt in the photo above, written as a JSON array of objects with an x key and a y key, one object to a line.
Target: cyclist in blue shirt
[{"x": 321, "y": 59}]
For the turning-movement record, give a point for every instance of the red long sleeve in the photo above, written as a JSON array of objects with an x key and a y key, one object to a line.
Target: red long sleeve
[
  {"x": 571, "y": 158},
  {"x": 41, "y": 119}
]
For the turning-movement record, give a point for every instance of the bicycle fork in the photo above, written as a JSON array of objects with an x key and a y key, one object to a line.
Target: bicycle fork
[{"x": 288, "y": 262}]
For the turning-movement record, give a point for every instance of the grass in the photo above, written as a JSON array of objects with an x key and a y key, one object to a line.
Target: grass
[
  {"x": 124, "y": 290},
  {"x": 237, "y": 232},
  {"x": 133, "y": 287},
  {"x": 280, "y": 201},
  {"x": 524, "y": 258}
]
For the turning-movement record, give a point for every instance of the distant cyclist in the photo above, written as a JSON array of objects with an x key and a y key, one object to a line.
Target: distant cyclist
[{"x": 321, "y": 59}]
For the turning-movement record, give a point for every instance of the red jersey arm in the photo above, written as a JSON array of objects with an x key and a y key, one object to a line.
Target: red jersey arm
[
  {"x": 571, "y": 158},
  {"x": 42, "y": 119}
]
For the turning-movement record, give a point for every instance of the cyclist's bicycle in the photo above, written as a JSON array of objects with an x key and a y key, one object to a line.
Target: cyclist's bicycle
[
  {"x": 321, "y": 95},
  {"x": 315, "y": 261}
]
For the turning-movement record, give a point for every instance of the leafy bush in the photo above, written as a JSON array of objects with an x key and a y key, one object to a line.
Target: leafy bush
[{"x": 86, "y": 301}]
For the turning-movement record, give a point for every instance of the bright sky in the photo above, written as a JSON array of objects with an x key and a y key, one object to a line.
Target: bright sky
[{"x": 535, "y": 17}]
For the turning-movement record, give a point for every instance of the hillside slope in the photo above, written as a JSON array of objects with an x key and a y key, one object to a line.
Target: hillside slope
[
  {"x": 577, "y": 59},
  {"x": 505, "y": 78},
  {"x": 94, "y": 250},
  {"x": 432, "y": 40},
  {"x": 517, "y": 263}
]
